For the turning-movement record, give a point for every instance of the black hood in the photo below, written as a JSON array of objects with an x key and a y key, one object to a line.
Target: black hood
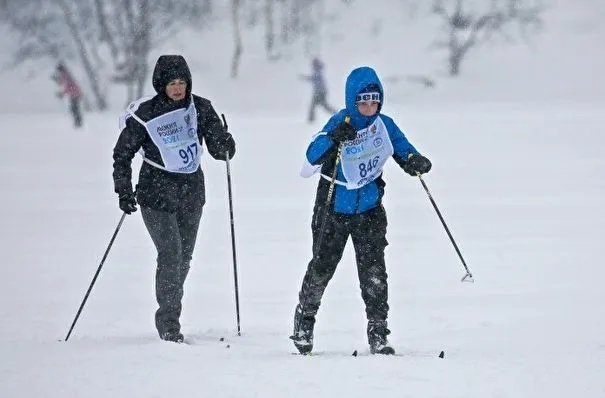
[{"x": 170, "y": 67}]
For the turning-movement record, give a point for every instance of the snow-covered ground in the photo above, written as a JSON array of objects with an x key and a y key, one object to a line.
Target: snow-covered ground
[{"x": 517, "y": 174}]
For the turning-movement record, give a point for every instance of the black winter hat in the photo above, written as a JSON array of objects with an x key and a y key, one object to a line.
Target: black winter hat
[{"x": 170, "y": 67}]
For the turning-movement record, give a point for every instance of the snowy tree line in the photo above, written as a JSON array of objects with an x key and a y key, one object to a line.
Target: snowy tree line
[{"x": 112, "y": 39}]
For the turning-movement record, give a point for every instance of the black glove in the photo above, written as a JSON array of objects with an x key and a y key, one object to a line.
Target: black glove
[
  {"x": 225, "y": 144},
  {"x": 417, "y": 164},
  {"x": 128, "y": 203},
  {"x": 344, "y": 132}
]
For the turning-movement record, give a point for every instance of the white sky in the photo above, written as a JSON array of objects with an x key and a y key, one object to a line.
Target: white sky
[{"x": 518, "y": 168}]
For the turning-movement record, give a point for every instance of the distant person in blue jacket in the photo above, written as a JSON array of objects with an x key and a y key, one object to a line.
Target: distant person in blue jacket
[
  {"x": 320, "y": 91},
  {"x": 368, "y": 139}
]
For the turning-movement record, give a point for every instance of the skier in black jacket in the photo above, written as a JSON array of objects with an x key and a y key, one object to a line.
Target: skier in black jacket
[{"x": 168, "y": 130}]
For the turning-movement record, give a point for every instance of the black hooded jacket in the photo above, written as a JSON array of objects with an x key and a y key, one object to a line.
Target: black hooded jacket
[{"x": 159, "y": 189}]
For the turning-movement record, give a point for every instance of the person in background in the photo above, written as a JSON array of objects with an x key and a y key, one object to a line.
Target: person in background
[
  {"x": 70, "y": 88},
  {"x": 169, "y": 130},
  {"x": 367, "y": 139},
  {"x": 320, "y": 92}
]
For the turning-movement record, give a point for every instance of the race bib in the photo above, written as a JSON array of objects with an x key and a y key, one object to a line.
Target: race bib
[
  {"x": 175, "y": 136},
  {"x": 363, "y": 158}
]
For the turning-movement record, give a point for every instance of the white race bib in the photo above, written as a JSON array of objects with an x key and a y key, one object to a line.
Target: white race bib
[
  {"x": 363, "y": 158},
  {"x": 175, "y": 136}
]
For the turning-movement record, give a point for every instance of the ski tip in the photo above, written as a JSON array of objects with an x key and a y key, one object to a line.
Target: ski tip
[
  {"x": 354, "y": 353},
  {"x": 228, "y": 346},
  {"x": 442, "y": 354},
  {"x": 221, "y": 339}
]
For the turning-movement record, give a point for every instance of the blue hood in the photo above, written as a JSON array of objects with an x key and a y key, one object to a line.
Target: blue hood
[{"x": 359, "y": 79}]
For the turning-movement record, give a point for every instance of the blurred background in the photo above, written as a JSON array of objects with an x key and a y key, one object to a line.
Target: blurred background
[{"x": 252, "y": 55}]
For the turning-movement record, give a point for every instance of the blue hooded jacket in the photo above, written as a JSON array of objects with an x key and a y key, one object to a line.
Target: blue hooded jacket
[{"x": 322, "y": 150}]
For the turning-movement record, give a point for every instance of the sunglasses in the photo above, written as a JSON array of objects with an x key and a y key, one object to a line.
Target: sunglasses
[{"x": 366, "y": 97}]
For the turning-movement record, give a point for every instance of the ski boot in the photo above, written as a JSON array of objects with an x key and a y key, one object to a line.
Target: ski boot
[
  {"x": 302, "y": 335},
  {"x": 377, "y": 337},
  {"x": 175, "y": 337}
]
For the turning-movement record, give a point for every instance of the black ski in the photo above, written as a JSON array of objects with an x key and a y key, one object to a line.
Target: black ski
[{"x": 356, "y": 353}]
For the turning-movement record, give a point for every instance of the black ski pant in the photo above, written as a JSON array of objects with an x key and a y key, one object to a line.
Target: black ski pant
[
  {"x": 74, "y": 109},
  {"x": 319, "y": 99},
  {"x": 368, "y": 233},
  {"x": 174, "y": 236}
]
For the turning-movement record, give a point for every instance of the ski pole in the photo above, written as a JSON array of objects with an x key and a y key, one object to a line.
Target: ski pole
[
  {"x": 468, "y": 276},
  {"x": 322, "y": 228},
  {"x": 94, "y": 279},
  {"x": 230, "y": 195}
]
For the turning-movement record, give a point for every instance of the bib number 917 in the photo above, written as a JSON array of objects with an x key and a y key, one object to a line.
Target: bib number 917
[{"x": 188, "y": 155}]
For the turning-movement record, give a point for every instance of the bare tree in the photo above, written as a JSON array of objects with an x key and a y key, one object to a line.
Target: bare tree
[
  {"x": 132, "y": 36},
  {"x": 308, "y": 26},
  {"x": 84, "y": 55},
  {"x": 142, "y": 45},
  {"x": 52, "y": 30},
  {"x": 465, "y": 29},
  {"x": 286, "y": 23},
  {"x": 139, "y": 25},
  {"x": 94, "y": 32},
  {"x": 298, "y": 20},
  {"x": 103, "y": 28},
  {"x": 237, "y": 37},
  {"x": 39, "y": 27},
  {"x": 269, "y": 29}
]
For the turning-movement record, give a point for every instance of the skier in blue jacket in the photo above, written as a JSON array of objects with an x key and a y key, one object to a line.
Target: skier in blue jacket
[
  {"x": 320, "y": 91},
  {"x": 367, "y": 139}
]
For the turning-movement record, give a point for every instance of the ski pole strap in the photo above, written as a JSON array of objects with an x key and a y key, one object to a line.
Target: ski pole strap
[
  {"x": 335, "y": 181},
  {"x": 335, "y": 171}
]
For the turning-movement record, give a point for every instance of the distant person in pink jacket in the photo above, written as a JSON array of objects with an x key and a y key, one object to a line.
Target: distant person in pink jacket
[
  {"x": 70, "y": 88},
  {"x": 320, "y": 92}
]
